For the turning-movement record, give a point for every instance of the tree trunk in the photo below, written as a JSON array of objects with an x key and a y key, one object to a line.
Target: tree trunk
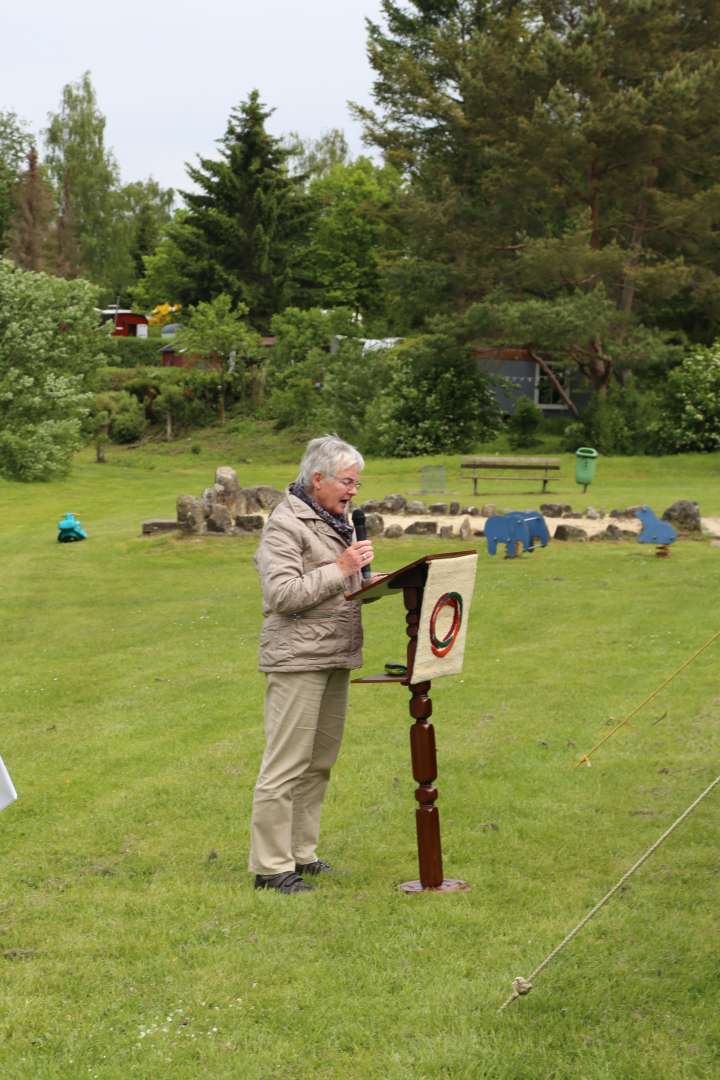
[
  {"x": 599, "y": 369},
  {"x": 168, "y": 426}
]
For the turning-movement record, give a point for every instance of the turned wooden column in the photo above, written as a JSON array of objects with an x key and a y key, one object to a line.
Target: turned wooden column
[{"x": 424, "y": 769}]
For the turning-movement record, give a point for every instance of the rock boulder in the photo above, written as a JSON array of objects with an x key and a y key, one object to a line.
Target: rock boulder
[
  {"x": 266, "y": 497},
  {"x": 393, "y": 504},
  {"x": 685, "y": 516},
  {"x": 245, "y": 523},
  {"x": 220, "y": 520},
  {"x": 374, "y": 524},
  {"x": 612, "y": 532},
  {"x": 422, "y": 528},
  {"x": 226, "y": 491},
  {"x": 159, "y": 525},
  {"x": 569, "y": 532},
  {"x": 191, "y": 514}
]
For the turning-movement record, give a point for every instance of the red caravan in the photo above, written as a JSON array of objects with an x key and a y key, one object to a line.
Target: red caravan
[{"x": 127, "y": 323}]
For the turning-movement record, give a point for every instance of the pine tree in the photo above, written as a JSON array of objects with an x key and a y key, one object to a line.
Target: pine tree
[
  {"x": 454, "y": 78},
  {"x": 241, "y": 231},
  {"x": 557, "y": 151}
]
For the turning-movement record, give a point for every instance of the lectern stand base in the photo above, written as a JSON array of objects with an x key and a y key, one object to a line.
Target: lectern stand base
[{"x": 448, "y": 885}]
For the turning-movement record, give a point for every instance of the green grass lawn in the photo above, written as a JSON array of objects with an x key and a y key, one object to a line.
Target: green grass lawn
[{"x": 131, "y": 940}]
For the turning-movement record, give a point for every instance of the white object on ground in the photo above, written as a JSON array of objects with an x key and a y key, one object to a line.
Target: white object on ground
[{"x": 8, "y": 793}]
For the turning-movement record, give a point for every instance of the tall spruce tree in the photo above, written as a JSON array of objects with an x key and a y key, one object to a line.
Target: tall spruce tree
[
  {"x": 558, "y": 150},
  {"x": 242, "y": 228}
]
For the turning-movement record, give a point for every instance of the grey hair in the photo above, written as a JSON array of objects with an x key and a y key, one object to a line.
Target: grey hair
[{"x": 326, "y": 456}]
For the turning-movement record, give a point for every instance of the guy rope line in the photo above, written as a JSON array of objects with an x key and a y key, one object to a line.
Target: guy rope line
[
  {"x": 521, "y": 986},
  {"x": 585, "y": 759}
]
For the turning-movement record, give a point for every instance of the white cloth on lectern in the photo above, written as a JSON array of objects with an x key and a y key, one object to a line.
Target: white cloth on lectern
[
  {"x": 8, "y": 793},
  {"x": 444, "y": 576}
]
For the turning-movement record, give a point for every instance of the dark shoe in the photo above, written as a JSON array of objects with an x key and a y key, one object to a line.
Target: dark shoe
[
  {"x": 289, "y": 882},
  {"x": 317, "y": 867}
]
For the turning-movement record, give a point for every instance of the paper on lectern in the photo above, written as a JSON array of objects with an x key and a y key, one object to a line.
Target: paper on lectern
[{"x": 8, "y": 793}]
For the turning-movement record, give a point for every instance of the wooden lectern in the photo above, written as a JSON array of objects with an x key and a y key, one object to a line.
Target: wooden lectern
[{"x": 436, "y": 594}]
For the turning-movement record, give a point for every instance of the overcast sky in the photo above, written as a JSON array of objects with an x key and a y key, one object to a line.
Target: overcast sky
[{"x": 167, "y": 75}]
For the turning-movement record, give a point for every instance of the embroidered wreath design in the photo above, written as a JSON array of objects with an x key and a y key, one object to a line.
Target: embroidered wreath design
[{"x": 452, "y": 600}]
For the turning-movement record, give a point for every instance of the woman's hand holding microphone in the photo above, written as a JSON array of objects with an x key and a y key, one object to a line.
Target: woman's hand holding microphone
[{"x": 355, "y": 557}]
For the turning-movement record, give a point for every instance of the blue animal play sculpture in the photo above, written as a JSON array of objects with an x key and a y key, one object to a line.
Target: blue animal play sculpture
[
  {"x": 519, "y": 528},
  {"x": 535, "y": 524},
  {"x": 654, "y": 531},
  {"x": 70, "y": 530}
]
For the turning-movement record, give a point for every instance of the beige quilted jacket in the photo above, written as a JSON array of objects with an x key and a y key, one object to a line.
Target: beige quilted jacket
[{"x": 308, "y": 624}]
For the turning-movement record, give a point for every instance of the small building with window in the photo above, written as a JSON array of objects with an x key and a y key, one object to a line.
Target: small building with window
[
  {"x": 557, "y": 389},
  {"x": 127, "y": 323}
]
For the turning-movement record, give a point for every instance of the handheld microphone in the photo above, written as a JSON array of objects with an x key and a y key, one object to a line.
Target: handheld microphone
[{"x": 358, "y": 520}]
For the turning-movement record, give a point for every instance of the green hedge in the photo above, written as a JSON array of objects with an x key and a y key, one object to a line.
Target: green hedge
[
  {"x": 191, "y": 396},
  {"x": 128, "y": 352},
  {"x": 120, "y": 378}
]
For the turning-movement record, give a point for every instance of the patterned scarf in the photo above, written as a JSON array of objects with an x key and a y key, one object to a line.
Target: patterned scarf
[{"x": 341, "y": 526}]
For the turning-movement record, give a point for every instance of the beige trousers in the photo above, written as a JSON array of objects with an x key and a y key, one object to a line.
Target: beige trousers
[{"x": 304, "y": 720}]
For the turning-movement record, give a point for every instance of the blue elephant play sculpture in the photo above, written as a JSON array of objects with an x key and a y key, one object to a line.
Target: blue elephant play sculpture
[
  {"x": 518, "y": 528},
  {"x": 535, "y": 525},
  {"x": 70, "y": 530},
  {"x": 654, "y": 531}
]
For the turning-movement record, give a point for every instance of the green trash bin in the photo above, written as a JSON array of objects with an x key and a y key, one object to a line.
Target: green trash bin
[{"x": 585, "y": 462}]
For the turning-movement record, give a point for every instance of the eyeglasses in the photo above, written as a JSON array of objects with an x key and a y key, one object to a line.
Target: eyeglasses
[{"x": 348, "y": 482}]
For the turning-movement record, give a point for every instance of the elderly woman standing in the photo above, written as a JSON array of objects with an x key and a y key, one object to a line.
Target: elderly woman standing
[{"x": 308, "y": 560}]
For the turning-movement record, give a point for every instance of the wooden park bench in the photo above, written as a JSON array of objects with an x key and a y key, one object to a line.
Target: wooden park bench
[{"x": 496, "y": 468}]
